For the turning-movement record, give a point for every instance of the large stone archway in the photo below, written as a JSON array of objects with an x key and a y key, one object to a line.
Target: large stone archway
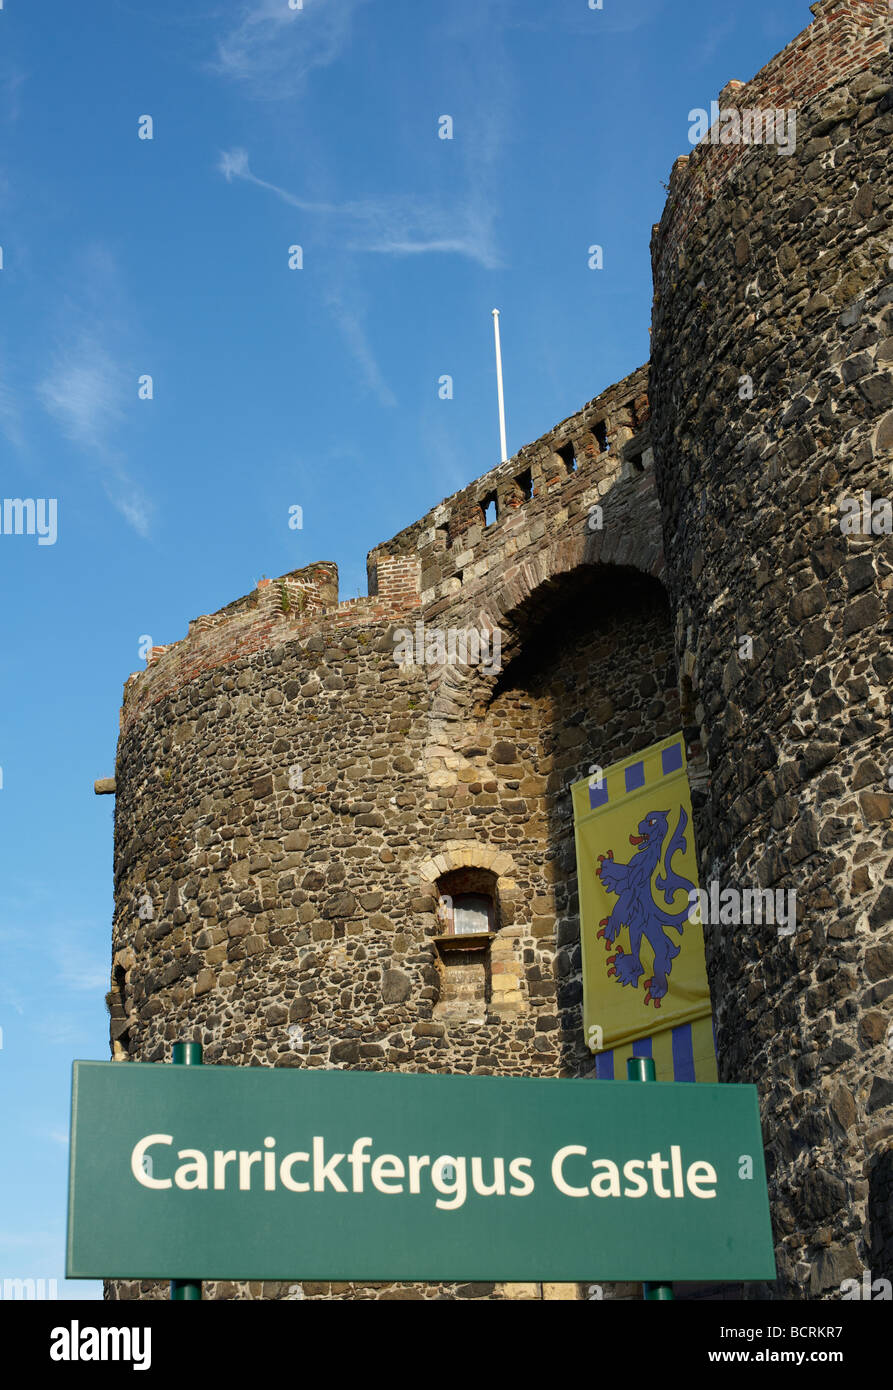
[
  {"x": 628, "y": 539},
  {"x": 590, "y": 677}
]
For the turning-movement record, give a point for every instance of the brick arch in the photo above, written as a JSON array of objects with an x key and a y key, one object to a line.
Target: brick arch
[{"x": 639, "y": 548}]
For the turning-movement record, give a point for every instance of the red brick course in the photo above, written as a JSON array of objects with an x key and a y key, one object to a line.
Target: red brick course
[{"x": 841, "y": 41}]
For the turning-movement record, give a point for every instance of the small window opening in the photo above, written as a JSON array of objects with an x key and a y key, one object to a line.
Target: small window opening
[
  {"x": 566, "y": 453},
  {"x": 525, "y": 483},
  {"x": 472, "y": 913},
  {"x": 441, "y": 538},
  {"x": 600, "y": 431},
  {"x": 467, "y": 919},
  {"x": 467, "y": 902},
  {"x": 488, "y": 507},
  {"x": 636, "y": 464}
]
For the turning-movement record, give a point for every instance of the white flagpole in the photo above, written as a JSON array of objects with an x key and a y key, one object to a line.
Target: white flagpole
[{"x": 499, "y": 384}]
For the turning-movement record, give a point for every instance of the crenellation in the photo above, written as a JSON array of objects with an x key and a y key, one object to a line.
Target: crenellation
[{"x": 843, "y": 41}]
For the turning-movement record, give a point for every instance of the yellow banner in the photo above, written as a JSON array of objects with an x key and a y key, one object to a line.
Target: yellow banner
[{"x": 645, "y": 989}]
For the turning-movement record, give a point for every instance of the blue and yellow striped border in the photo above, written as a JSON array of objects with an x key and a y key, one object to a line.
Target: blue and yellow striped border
[
  {"x": 671, "y": 760},
  {"x": 684, "y": 1053}
]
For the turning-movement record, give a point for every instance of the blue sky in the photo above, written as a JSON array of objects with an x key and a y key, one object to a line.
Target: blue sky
[{"x": 126, "y": 257}]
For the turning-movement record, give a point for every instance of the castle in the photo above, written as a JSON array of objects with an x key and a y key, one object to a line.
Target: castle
[{"x": 300, "y": 815}]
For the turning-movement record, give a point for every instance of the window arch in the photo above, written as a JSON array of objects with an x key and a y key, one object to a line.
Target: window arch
[
  {"x": 467, "y": 913},
  {"x": 466, "y": 869}
]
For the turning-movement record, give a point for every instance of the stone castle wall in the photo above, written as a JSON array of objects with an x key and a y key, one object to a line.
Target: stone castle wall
[
  {"x": 295, "y": 806},
  {"x": 771, "y": 391},
  {"x": 845, "y": 39}
]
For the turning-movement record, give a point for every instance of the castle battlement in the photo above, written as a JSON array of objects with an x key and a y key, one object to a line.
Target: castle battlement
[
  {"x": 298, "y": 604},
  {"x": 843, "y": 40},
  {"x": 440, "y": 560}
]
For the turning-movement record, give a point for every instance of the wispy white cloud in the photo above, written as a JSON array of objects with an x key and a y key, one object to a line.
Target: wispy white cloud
[
  {"x": 88, "y": 385},
  {"x": 459, "y": 220},
  {"x": 233, "y": 164},
  {"x": 79, "y": 971},
  {"x": 12, "y": 81},
  {"x": 397, "y": 225},
  {"x": 271, "y": 48},
  {"x": 10, "y": 409},
  {"x": 13, "y": 1000},
  {"x": 130, "y": 500},
  {"x": 350, "y": 321},
  {"x": 712, "y": 41},
  {"x": 615, "y": 17},
  {"x": 84, "y": 391}
]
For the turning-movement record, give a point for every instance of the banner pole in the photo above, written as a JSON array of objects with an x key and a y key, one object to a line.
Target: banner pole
[
  {"x": 642, "y": 1069},
  {"x": 186, "y": 1054}
]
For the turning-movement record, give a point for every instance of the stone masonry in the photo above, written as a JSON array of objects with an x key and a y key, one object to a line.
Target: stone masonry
[{"x": 296, "y": 807}]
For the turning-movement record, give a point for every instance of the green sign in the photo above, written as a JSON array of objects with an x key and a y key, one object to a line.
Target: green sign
[{"x": 282, "y": 1173}]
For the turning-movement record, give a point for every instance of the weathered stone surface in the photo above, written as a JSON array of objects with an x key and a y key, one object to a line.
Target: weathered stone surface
[
  {"x": 395, "y": 986},
  {"x": 298, "y": 807},
  {"x": 786, "y": 387}
]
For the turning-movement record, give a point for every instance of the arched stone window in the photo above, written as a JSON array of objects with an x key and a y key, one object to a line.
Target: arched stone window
[
  {"x": 467, "y": 903},
  {"x": 467, "y": 912},
  {"x": 475, "y": 950}
]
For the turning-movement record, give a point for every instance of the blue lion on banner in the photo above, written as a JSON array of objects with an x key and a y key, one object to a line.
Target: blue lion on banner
[{"x": 636, "y": 908}]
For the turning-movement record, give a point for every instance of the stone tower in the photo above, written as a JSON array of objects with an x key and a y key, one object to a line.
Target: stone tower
[
  {"x": 302, "y": 811},
  {"x": 771, "y": 390}
]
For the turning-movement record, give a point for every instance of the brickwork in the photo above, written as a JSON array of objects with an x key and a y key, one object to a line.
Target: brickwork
[
  {"x": 395, "y": 579},
  {"x": 846, "y": 38}
]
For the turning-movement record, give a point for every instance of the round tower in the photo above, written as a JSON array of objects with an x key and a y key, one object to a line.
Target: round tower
[
  {"x": 343, "y": 832},
  {"x": 771, "y": 393}
]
